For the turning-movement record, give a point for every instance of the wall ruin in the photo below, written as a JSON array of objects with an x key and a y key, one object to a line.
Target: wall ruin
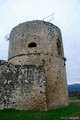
[{"x": 22, "y": 87}]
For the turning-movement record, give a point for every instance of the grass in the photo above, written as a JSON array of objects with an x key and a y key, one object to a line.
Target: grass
[{"x": 66, "y": 113}]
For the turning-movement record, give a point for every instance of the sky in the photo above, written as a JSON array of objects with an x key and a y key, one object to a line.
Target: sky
[{"x": 66, "y": 17}]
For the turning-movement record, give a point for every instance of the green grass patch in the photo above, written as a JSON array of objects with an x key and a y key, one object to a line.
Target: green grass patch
[{"x": 72, "y": 110}]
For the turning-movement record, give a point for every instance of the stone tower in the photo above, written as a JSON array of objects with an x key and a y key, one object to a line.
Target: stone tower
[{"x": 39, "y": 43}]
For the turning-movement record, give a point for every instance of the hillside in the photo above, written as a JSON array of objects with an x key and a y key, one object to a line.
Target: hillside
[{"x": 74, "y": 87}]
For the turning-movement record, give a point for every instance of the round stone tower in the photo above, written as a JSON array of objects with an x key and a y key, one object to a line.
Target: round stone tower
[{"x": 40, "y": 43}]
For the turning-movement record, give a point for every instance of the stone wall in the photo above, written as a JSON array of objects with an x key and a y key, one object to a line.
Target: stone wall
[{"x": 22, "y": 87}]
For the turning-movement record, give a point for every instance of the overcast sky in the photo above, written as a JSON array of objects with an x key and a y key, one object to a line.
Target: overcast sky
[{"x": 66, "y": 17}]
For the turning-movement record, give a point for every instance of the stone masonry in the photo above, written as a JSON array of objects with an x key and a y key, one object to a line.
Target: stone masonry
[
  {"x": 22, "y": 87},
  {"x": 34, "y": 76}
]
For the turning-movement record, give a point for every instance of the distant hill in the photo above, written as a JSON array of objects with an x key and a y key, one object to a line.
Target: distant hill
[{"x": 74, "y": 87}]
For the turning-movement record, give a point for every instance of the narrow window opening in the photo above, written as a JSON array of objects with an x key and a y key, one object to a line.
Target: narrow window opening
[
  {"x": 59, "y": 47},
  {"x": 33, "y": 44}
]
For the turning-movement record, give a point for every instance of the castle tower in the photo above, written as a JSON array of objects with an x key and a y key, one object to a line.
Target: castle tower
[{"x": 40, "y": 43}]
